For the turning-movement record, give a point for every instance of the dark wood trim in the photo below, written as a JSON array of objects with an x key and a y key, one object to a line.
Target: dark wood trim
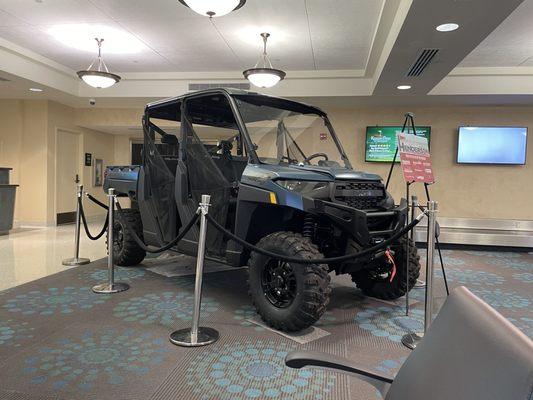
[{"x": 66, "y": 218}]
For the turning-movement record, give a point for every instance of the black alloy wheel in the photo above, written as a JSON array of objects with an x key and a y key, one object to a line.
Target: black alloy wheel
[{"x": 279, "y": 283}]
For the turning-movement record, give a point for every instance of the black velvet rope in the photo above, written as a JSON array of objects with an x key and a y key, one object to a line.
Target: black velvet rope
[
  {"x": 331, "y": 260},
  {"x": 96, "y": 201},
  {"x": 166, "y": 247},
  {"x": 86, "y": 227}
]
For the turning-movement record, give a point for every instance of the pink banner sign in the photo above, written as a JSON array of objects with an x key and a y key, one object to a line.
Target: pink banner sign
[{"x": 415, "y": 158}]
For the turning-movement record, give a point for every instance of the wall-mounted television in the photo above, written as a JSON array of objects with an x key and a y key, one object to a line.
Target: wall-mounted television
[
  {"x": 492, "y": 145},
  {"x": 381, "y": 141}
]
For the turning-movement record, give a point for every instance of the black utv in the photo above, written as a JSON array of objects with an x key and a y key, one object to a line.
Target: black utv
[{"x": 278, "y": 178}]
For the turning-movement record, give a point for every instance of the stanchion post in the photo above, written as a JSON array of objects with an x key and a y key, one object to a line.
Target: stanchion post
[
  {"x": 414, "y": 202},
  {"x": 76, "y": 260},
  {"x": 110, "y": 286},
  {"x": 432, "y": 222},
  {"x": 411, "y": 340},
  {"x": 407, "y": 250},
  {"x": 197, "y": 336}
]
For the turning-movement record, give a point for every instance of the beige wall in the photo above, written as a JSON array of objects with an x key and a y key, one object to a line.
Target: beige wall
[
  {"x": 470, "y": 191},
  {"x": 100, "y": 145},
  {"x": 23, "y": 137},
  {"x": 28, "y": 144}
]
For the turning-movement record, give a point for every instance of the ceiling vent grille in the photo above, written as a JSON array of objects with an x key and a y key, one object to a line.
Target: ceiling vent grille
[
  {"x": 421, "y": 63},
  {"x": 206, "y": 86},
  {"x": 3, "y": 79}
]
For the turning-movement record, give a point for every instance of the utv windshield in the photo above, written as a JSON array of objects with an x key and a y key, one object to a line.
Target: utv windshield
[{"x": 286, "y": 132}]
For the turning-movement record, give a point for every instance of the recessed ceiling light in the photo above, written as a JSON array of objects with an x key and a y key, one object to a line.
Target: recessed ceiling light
[
  {"x": 404, "y": 87},
  {"x": 448, "y": 27},
  {"x": 33, "y": 89},
  {"x": 81, "y": 37}
]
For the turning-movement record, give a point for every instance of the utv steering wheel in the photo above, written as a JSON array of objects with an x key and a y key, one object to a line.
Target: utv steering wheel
[
  {"x": 308, "y": 159},
  {"x": 289, "y": 160}
]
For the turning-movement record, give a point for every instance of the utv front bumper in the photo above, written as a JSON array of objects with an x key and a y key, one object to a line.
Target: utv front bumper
[{"x": 365, "y": 227}]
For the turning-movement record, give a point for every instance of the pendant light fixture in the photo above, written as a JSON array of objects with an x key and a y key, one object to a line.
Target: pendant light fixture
[
  {"x": 99, "y": 77},
  {"x": 213, "y": 8},
  {"x": 263, "y": 74}
]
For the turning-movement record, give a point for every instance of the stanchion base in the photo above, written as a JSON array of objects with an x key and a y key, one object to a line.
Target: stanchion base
[
  {"x": 420, "y": 284},
  {"x": 183, "y": 337},
  {"x": 411, "y": 340},
  {"x": 72, "y": 262},
  {"x": 106, "y": 288}
]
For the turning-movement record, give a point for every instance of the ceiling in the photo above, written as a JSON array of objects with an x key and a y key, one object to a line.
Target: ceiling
[
  {"x": 306, "y": 35},
  {"x": 509, "y": 45},
  {"x": 344, "y": 52}
]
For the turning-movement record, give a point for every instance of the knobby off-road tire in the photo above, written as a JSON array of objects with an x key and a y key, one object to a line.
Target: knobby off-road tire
[
  {"x": 381, "y": 287},
  {"x": 308, "y": 292},
  {"x": 126, "y": 251}
]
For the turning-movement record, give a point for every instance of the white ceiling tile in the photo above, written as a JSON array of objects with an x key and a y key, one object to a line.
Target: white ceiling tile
[
  {"x": 289, "y": 46},
  {"x": 9, "y": 20},
  {"x": 342, "y": 31},
  {"x": 184, "y": 41},
  {"x": 53, "y": 11},
  {"x": 121, "y": 10},
  {"x": 509, "y": 45}
]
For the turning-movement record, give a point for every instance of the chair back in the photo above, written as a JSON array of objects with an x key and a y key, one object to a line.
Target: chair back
[{"x": 469, "y": 352}]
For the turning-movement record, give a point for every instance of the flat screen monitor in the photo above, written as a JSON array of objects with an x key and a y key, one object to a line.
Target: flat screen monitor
[
  {"x": 492, "y": 145},
  {"x": 381, "y": 141}
]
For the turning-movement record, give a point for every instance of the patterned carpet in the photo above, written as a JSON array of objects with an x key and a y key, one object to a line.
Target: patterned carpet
[{"x": 58, "y": 340}]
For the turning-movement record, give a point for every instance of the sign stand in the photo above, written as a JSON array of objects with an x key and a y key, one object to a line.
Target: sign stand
[{"x": 416, "y": 167}]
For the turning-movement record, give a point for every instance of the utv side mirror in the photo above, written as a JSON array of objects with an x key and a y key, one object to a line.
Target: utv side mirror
[{"x": 169, "y": 139}]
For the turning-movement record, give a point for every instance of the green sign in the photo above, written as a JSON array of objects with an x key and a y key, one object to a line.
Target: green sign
[{"x": 381, "y": 141}]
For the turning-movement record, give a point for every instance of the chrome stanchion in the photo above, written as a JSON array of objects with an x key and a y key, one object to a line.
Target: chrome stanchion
[
  {"x": 413, "y": 208},
  {"x": 411, "y": 340},
  {"x": 196, "y": 335},
  {"x": 111, "y": 286},
  {"x": 420, "y": 284},
  {"x": 410, "y": 211},
  {"x": 76, "y": 260}
]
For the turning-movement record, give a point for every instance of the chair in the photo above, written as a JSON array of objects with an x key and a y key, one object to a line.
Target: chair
[{"x": 469, "y": 352}]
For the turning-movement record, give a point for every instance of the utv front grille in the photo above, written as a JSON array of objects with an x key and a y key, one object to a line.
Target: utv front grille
[{"x": 361, "y": 195}]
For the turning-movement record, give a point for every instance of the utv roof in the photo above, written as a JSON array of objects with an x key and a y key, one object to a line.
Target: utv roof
[{"x": 244, "y": 95}]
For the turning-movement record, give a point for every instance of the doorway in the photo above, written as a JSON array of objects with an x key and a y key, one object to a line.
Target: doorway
[{"x": 67, "y": 176}]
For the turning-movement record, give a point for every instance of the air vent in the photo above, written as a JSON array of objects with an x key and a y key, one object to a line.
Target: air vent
[
  {"x": 421, "y": 63},
  {"x": 206, "y": 86},
  {"x": 3, "y": 79}
]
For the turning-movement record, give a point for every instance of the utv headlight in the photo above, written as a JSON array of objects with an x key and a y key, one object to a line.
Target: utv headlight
[{"x": 303, "y": 187}]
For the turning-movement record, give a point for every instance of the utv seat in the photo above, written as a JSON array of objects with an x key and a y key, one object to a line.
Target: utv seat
[
  {"x": 172, "y": 163},
  {"x": 225, "y": 165}
]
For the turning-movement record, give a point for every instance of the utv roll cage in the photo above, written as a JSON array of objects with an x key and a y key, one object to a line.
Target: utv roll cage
[{"x": 221, "y": 118}]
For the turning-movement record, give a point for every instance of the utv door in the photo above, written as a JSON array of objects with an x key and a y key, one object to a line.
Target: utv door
[
  {"x": 156, "y": 186},
  {"x": 205, "y": 167}
]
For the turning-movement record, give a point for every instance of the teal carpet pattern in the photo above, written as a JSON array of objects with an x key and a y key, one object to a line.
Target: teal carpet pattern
[{"x": 58, "y": 340}]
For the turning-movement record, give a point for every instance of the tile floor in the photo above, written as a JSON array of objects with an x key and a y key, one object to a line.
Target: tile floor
[{"x": 29, "y": 254}]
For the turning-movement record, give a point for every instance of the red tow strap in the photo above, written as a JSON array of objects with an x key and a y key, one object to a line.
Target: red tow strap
[{"x": 390, "y": 258}]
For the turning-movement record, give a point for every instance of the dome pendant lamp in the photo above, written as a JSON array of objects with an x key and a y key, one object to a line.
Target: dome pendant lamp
[
  {"x": 98, "y": 77},
  {"x": 263, "y": 74},
  {"x": 213, "y": 8}
]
